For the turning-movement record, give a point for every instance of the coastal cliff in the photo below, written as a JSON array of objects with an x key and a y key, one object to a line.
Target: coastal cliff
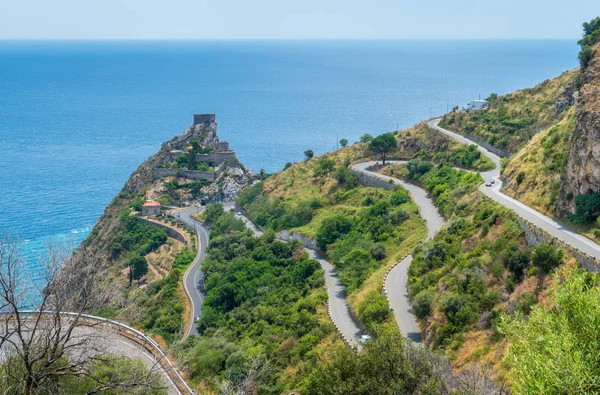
[
  {"x": 582, "y": 171},
  {"x": 116, "y": 239}
]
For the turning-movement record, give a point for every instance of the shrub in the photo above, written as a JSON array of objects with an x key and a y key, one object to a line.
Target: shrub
[
  {"x": 526, "y": 301},
  {"x": 520, "y": 177},
  {"x": 421, "y": 304},
  {"x": 331, "y": 229},
  {"x": 399, "y": 196},
  {"x": 517, "y": 262},
  {"x": 460, "y": 310},
  {"x": 587, "y": 206},
  {"x": 546, "y": 257},
  {"x": 374, "y": 309},
  {"x": 565, "y": 335}
]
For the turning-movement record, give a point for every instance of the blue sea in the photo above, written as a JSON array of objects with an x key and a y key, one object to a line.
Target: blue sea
[{"x": 76, "y": 118}]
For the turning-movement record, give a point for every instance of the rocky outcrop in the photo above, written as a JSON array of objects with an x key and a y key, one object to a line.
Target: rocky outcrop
[
  {"x": 232, "y": 178},
  {"x": 582, "y": 173},
  {"x": 98, "y": 246},
  {"x": 566, "y": 98}
]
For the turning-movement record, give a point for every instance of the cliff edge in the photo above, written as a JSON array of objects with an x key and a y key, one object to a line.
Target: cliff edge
[{"x": 582, "y": 172}]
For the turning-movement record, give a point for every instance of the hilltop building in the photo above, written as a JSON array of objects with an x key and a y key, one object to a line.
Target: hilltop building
[
  {"x": 476, "y": 105},
  {"x": 150, "y": 208}
]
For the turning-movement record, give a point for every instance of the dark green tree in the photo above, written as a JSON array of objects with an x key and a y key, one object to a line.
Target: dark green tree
[
  {"x": 213, "y": 212},
  {"x": 383, "y": 145},
  {"x": 309, "y": 154},
  {"x": 546, "y": 257},
  {"x": 331, "y": 229},
  {"x": 344, "y": 142},
  {"x": 138, "y": 267},
  {"x": 365, "y": 138}
]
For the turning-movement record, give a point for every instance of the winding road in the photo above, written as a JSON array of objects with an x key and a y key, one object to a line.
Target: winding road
[
  {"x": 396, "y": 282},
  {"x": 193, "y": 279},
  {"x": 540, "y": 220},
  {"x": 339, "y": 310}
]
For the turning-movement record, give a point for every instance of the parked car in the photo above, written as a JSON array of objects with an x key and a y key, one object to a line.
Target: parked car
[{"x": 365, "y": 338}]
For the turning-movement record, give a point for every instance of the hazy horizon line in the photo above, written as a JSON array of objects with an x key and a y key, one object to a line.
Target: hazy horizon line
[{"x": 301, "y": 39}]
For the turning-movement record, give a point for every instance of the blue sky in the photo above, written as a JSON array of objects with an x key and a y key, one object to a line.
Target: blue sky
[{"x": 248, "y": 19}]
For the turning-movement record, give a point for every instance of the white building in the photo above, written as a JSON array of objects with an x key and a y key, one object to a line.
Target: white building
[{"x": 476, "y": 105}]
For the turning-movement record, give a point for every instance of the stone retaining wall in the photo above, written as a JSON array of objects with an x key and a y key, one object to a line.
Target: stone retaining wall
[
  {"x": 370, "y": 181},
  {"x": 488, "y": 146},
  {"x": 189, "y": 174},
  {"x": 171, "y": 232},
  {"x": 536, "y": 236}
]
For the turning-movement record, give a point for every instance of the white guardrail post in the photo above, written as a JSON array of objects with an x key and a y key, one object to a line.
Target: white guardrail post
[{"x": 169, "y": 368}]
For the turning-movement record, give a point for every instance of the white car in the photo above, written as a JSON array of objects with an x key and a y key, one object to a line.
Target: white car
[
  {"x": 365, "y": 338},
  {"x": 488, "y": 183},
  {"x": 493, "y": 181}
]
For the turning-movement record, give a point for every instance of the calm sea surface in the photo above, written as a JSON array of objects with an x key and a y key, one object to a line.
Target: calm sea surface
[{"x": 76, "y": 118}]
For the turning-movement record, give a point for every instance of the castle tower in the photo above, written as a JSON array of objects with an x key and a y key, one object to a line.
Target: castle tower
[{"x": 203, "y": 118}]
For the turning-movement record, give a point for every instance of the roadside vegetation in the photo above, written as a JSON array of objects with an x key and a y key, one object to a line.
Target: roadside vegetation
[
  {"x": 476, "y": 270},
  {"x": 390, "y": 364},
  {"x": 156, "y": 301},
  {"x": 555, "y": 348},
  {"x": 510, "y": 121},
  {"x": 534, "y": 174},
  {"x": 264, "y": 317},
  {"x": 362, "y": 230},
  {"x": 422, "y": 142}
]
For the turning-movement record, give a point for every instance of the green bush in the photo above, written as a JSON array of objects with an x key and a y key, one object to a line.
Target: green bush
[
  {"x": 555, "y": 350},
  {"x": 517, "y": 262},
  {"x": 374, "y": 309},
  {"x": 331, "y": 229},
  {"x": 422, "y": 304},
  {"x": 546, "y": 257}
]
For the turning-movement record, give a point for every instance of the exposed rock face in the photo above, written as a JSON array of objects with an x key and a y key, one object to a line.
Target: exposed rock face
[
  {"x": 566, "y": 98},
  {"x": 582, "y": 174},
  {"x": 204, "y": 133},
  {"x": 232, "y": 179}
]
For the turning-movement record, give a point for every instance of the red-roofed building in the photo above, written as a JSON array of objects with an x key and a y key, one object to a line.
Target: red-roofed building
[{"x": 150, "y": 208}]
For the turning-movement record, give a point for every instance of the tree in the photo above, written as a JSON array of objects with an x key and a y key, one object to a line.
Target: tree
[
  {"x": 309, "y": 154},
  {"x": 365, "y": 138},
  {"x": 547, "y": 257},
  {"x": 331, "y": 229},
  {"x": 213, "y": 212},
  {"x": 138, "y": 267},
  {"x": 383, "y": 145},
  {"x": 54, "y": 352},
  {"x": 389, "y": 364},
  {"x": 344, "y": 142}
]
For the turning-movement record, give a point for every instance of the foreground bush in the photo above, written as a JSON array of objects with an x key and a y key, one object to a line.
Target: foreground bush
[{"x": 556, "y": 349}]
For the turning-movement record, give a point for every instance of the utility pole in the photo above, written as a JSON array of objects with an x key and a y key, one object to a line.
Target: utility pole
[
  {"x": 397, "y": 128},
  {"x": 430, "y": 116},
  {"x": 337, "y": 141},
  {"x": 448, "y": 106}
]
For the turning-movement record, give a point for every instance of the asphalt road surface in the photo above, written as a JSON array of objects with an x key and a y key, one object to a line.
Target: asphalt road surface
[
  {"x": 397, "y": 280},
  {"x": 557, "y": 230},
  {"x": 193, "y": 279}
]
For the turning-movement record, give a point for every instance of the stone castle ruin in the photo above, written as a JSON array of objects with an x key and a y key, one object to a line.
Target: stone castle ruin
[{"x": 222, "y": 152}]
